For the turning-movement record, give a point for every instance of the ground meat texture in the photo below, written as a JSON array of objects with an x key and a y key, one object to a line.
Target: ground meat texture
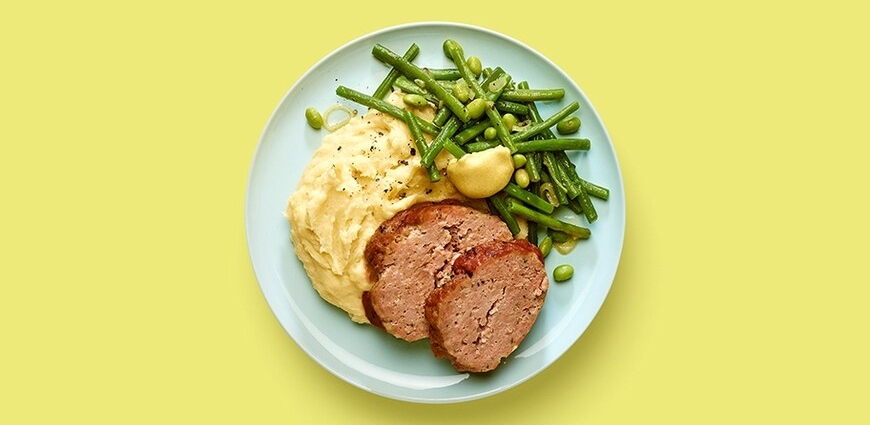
[
  {"x": 412, "y": 253},
  {"x": 484, "y": 312}
]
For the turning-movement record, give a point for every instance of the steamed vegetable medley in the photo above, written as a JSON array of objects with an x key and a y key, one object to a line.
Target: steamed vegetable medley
[{"x": 506, "y": 152}]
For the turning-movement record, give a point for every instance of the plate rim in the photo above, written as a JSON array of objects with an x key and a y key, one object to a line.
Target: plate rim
[{"x": 276, "y": 112}]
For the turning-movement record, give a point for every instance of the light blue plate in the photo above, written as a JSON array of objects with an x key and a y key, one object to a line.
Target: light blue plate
[{"x": 366, "y": 357}]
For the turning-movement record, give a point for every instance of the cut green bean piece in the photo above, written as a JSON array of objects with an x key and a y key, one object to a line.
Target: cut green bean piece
[
  {"x": 586, "y": 206},
  {"x": 438, "y": 143},
  {"x": 410, "y": 70},
  {"x": 595, "y": 190},
  {"x": 511, "y": 107},
  {"x": 454, "y": 51},
  {"x": 497, "y": 205},
  {"x": 407, "y": 86},
  {"x": 533, "y": 166},
  {"x": 539, "y": 127},
  {"x": 454, "y": 149},
  {"x": 553, "y": 145},
  {"x": 441, "y": 74},
  {"x": 387, "y": 83},
  {"x": 545, "y": 220},
  {"x": 470, "y": 132},
  {"x": 441, "y": 116},
  {"x": 420, "y": 142},
  {"x": 559, "y": 179},
  {"x": 383, "y": 106},
  {"x": 480, "y": 146},
  {"x": 529, "y": 198},
  {"x": 533, "y": 95}
]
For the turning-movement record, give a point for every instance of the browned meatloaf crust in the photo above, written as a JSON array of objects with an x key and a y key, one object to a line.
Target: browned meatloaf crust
[
  {"x": 412, "y": 253},
  {"x": 489, "y": 306}
]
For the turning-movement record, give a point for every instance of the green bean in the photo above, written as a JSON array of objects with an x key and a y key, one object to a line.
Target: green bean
[
  {"x": 563, "y": 272},
  {"x": 548, "y": 191},
  {"x": 441, "y": 116},
  {"x": 440, "y": 74},
  {"x": 454, "y": 149},
  {"x": 532, "y": 95},
  {"x": 497, "y": 204},
  {"x": 533, "y": 166},
  {"x": 532, "y": 232},
  {"x": 529, "y": 198},
  {"x": 412, "y": 71},
  {"x": 471, "y": 132},
  {"x": 569, "y": 125},
  {"x": 405, "y": 85},
  {"x": 535, "y": 116},
  {"x": 315, "y": 120},
  {"x": 511, "y": 107},
  {"x": 559, "y": 179},
  {"x": 387, "y": 82},
  {"x": 454, "y": 51},
  {"x": 518, "y": 208},
  {"x": 438, "y": 143},
  {"x": 595, "y": 190},
  {"x": 559, "y": 189},
  {"x": 420, "y": 142},
  {"x": 586, "y": 206},
  {"x": 383, "y": 106},
  {"x": 559, "y": 237},
  {"x": 480, "y": 146},
  {"x": 588, "y": 187},
  {"x": 552, "y": 145},
  {"x": 539, "y": 127}
]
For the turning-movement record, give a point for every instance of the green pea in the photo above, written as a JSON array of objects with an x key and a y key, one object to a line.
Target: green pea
[
  {"x": 476, "y": 108},
  {"x": 461, "y": 90},
  {"x": 490, "y": 133},
  {"x": 315, "y": 120},
  {"x": 474, "y": 65},
  {"x": 563, "y": 272},
  {"x": 414, "y": 100},
  {"x": 509, "y": 121},
  {"x": 546, "y": 245},
  {"x": 568, "y": 125},
  {"x": 521, "y": 176},
  {"x": 519, "y": 160}
]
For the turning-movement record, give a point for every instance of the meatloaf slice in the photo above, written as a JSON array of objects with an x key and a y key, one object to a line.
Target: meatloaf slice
[
  {"x": 412, "y": 253},
  {"x": 489, "y": 306}
]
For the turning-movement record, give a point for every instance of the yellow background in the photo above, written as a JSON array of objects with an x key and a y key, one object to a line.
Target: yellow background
[{"x": 127, "y": 131}]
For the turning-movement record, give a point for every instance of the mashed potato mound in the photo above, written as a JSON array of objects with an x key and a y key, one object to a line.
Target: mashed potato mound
[{"x": 362, "y": 174}]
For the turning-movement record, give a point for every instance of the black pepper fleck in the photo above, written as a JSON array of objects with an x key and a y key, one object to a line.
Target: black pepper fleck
[{"x": 413, "y": 151}]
